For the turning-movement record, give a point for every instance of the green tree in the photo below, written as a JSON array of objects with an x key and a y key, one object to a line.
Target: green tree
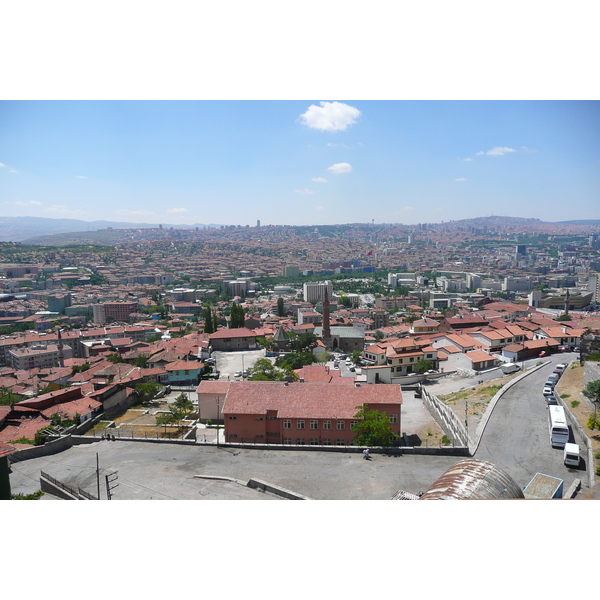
[
  {"x": 147, "y": 391},
  {"x": 209, "y": 325},
  {"x": 295, "y": 360},
  {"x": 183, "y": 404},
  {"x": 592, "y": 391},
  {"x": 165, "y": 419},
  {"x": 304, "y": 342},
  {"x": 7, "y": 397},
  {"x": 356, "y": 356},
  {"x": 141, "y": 361},
  {"x": 373, "y": 428},
  {"x": 115, "y": 358},
  {"x": 280, "y": 307},
  {"x": 422, "y": 366},
  {"x": 237, "y": 316},
  {"x": 264, "y": 370}
]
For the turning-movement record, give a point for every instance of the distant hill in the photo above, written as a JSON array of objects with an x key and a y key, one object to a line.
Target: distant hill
[
  {"x": 19, "y": 229},
  {"x": 584, "y": 222}
]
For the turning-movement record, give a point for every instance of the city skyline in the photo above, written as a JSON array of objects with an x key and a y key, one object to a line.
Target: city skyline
[{"x": 319, "y": 162}]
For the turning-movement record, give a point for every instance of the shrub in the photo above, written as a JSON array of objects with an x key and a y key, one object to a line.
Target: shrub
[
  {"x": 593, "y": 422},
  {"x": 34, "y": 496},
  {"x": 574, "y": 403},
  {"x": 565, "y": 396},
  {"x": 445, "y": 440}
]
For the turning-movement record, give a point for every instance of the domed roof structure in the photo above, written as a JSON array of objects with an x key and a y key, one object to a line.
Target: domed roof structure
[{"x": 471, "y": 479}]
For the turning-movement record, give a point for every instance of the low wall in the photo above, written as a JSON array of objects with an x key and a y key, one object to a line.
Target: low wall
[
  {"x": 258, "y": 484},
  {"x": 444, "y": 416}
]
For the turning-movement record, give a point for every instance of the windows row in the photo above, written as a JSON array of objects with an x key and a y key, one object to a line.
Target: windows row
[{"x": 314, "y": 424}]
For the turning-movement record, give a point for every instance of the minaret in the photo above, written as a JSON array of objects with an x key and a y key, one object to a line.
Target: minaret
[
  {"x": 326, "y": 327},
  {"x": 567, "y": 298},
  {"x": 61, "y": 356}
]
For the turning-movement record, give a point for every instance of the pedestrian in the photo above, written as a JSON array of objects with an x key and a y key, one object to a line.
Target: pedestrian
[
  {"x": 102, "y": 435},
  {"x": 366, "y": 454}
]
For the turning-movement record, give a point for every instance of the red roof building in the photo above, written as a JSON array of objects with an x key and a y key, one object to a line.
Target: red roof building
[{"x": 303, "y": 413}]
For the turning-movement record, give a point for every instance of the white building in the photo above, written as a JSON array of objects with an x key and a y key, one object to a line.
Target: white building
[{"x": 315, "y": 292}]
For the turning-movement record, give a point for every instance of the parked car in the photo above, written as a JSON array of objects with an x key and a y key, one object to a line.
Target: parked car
[
  {"x": 237, "y": 374},
  {"x": 548, "y": 391},
  {"x": 560, "y": 367}
]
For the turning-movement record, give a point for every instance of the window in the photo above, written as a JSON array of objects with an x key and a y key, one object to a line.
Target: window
[
  {"x": 340, "y": 442},
  {"x": 314, "y": 424},
  {"x": 258, "y": 419},
  {"x": 326, "y": 424},
  {"x": 300, "y": 441},
  {"x": 232, "y": 418},
  {"x": 287, "y": 424},
  {"x": 326, "y": 442},
  {"x": 393, "y": 418},
  {"x": 299, "y": 424},
  {"x": 287, "y": 440},
  {"x": 314, "y": 441},
  {"x": 353, "y": 424},
  {"x": 341, "y": 425}
]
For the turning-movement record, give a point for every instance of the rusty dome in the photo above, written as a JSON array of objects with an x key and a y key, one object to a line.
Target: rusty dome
[{"x": 471, "y": 479}]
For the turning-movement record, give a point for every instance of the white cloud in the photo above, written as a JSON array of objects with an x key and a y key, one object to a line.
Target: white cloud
[
  {"x": 80, "y": 177},
  {"x": 63, "y": 209},
  {"x": 304, "y": 191},
  {"x": 340, "y": 168},
  {"x": 319, "y": 180},
  {"x": 30, "y": 203},
  {"x": 125, "y": 211},
  {"x": 318, "y": 208},
  {"x": 466, "y": 159},
  {"x": 497, "y": 151},
  {"x": 2, "y": 165},
  {"x": 408, "y": 208},
  {"x": 330, "y": 116},
  {"x": 177, "y": 210},
  {"x": 461, "y": 179}
]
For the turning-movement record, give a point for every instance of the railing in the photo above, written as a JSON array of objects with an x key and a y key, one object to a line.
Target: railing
[{"x": 78, "y": 493}]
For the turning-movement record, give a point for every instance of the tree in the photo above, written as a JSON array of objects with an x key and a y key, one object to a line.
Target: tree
[
  {"x": 373, "y": 428},
  {"x": 592, "y": 391},
  {"x": 115, "y": 358},
  {"x": 209, "y": 325},
  {"x": 147, "y": 391},
  {"x": 295, "y": 360},
  {"x": 183, "y": 404},
  {"x": 303, "y": 342},
  {"x": 141, "y": 361},
  {"x": 356, "y": 356},
  {"x": 264, "y": 370},
  {"x": 280, "y": 307},
  {"x": 166, "y": 419},
  {"x": 422, "y": 366},
  {"x": 237, "y": 316}
]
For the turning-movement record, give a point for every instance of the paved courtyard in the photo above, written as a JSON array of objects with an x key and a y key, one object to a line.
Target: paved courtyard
[{"x": 169, "y": 471}]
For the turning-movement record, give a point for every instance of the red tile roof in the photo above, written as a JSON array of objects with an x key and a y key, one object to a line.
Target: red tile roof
[{"x": 307, "y": 400}]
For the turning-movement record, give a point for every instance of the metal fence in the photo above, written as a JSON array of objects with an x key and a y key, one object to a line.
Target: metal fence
[{"x": 78, "y": 493}]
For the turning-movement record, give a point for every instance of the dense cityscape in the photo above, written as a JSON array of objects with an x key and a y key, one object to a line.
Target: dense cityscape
[{"x": 271, "y": 336}]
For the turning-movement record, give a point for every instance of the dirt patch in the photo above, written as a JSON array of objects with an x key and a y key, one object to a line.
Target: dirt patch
[{"x": 469, "y": 404}]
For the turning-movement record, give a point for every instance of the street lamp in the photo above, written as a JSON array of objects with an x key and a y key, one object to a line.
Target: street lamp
[{"x": 218, "y": 399}]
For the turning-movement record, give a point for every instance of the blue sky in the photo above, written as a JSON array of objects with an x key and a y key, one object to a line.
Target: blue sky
[{"x": 306, "y": 162}]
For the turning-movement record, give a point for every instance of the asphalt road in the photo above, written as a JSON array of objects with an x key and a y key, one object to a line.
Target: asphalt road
[{"x": 516, "y": 438}]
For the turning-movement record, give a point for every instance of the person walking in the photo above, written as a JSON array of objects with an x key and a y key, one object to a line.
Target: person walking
[{"x": 366, "y": 454}]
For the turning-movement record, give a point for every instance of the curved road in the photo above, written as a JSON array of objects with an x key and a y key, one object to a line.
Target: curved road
[{"x": 516, "y": 438}]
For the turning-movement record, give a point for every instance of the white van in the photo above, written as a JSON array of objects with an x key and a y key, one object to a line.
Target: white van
[
  {"x": 571, "y": 455},
  {"x": 557, "y": 426},
  {"x": 510, "y": 368}
]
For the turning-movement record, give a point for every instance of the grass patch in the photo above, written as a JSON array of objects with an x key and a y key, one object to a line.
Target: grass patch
[
  {"x": 563, "y": 396},
  {"x": 35, "y": 496},
  {"x": 574, "y": 403}
]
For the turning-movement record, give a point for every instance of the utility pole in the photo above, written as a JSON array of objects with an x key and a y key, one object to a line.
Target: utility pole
[
  {"x": 466, "y": 419},
  {"x": 98, "y": 475},
  {"x": 218, "y": 398}
]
